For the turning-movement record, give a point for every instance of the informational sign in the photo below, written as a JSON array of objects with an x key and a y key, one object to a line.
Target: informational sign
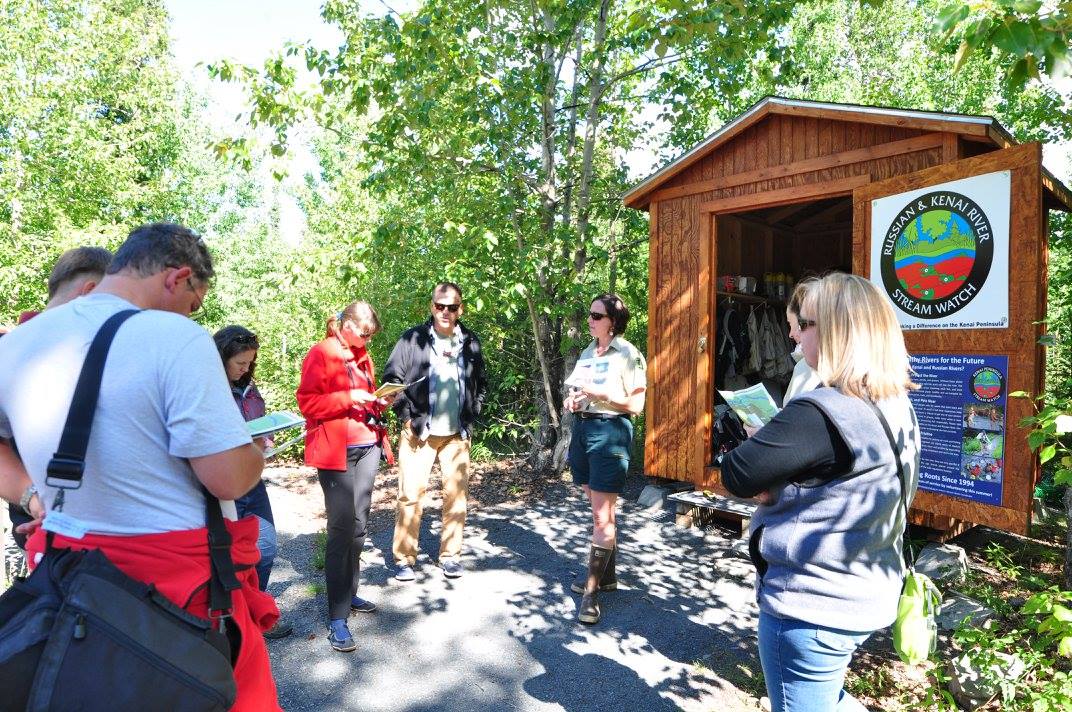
[
  {"x": 941, "y": 253},
  {"x": 961, "y": 410}
]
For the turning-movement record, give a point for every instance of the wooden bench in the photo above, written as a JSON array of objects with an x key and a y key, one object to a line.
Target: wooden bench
[{"x": 697, "y": 509}]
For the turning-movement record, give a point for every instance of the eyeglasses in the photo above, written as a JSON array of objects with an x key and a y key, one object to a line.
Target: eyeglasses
[
  {"x": 805, "y": 324},
  {"x": 596, "y": 316},
  {"x": 200, "y": 298},
  {"x": 452, "y": 308},
  {"x": 250, "y": 339}
]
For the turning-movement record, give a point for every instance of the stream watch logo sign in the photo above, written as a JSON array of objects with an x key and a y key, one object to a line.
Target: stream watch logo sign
[
  {"x": 987, "y": 384},
  {"x": 936, "y": 254}
]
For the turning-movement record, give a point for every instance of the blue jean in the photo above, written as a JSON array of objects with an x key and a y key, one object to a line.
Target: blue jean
[
  {"x": 804, "y": 665},
  {"x": 256, "y": 502}
]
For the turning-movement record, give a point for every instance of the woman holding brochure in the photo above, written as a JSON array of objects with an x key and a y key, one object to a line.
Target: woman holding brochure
[
  {"x": 606, "y": 388},
  {"x": 238, "y": 350},
  {"x": 344, "y": 439},
  {"x": 835, "y": 471}
]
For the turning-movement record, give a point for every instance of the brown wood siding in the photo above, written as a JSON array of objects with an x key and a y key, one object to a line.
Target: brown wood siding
[
  {"x": 675, "y": 402},
  {"x": 779, "y": 140}
]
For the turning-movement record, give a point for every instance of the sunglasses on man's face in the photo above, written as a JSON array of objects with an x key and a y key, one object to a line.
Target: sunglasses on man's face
[
  {"x": 452, "y": 308},
  {"x": 596, "y": 316},
  {"x": 805, "y": 324}
]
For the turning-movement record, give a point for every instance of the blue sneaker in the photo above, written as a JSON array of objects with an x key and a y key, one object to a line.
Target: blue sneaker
[
  {"x": 361, "y": 605},
  {"x": 404, "y": 572},
  {"x": 451, "y": 568},
  {"x": 339, "y": 636}
]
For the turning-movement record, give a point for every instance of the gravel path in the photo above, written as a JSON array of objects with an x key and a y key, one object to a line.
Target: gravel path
[{"x": 678, "y": 634}]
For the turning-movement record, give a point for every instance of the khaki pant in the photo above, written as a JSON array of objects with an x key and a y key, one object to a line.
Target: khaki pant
[{"x": 415, "y": 460}]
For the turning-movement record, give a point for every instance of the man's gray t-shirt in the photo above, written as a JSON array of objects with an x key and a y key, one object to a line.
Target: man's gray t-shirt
[
  {"x": 164, "y": 398},
  {"x": 445, "y": 388}
]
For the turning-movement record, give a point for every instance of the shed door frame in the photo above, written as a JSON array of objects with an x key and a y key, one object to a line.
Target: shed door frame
[
  {"x": 707, "y": 474},
  {"x": 1027, "y": 300}
]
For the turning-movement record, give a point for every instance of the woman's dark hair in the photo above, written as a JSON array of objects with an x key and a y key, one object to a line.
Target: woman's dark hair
[
  {"x": 616, "y": 310},
  {"x": 233, "y": 340}
]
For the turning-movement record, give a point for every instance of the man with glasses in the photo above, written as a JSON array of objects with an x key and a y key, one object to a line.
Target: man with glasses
[
  {"x": 165, "y": 430},
  {"x": 443, "y": 359}
]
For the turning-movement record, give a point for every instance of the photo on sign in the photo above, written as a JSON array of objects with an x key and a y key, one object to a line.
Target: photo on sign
[
  {"x": 980, "y": 416},
  {"x": 983, "y": 450}
]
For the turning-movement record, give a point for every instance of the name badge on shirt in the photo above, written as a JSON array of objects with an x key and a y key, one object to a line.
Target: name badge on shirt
[{"x": 64, "y": 525}]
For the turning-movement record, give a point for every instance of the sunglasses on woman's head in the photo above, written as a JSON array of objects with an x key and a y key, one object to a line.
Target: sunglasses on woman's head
[
  {"x": 244, "y": 339},
  {"x": 596, "y": 316},
  {"x": 452, "y": 308}
]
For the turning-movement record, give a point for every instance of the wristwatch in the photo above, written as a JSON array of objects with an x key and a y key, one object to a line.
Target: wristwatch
[{"x": 24, "y": 500}]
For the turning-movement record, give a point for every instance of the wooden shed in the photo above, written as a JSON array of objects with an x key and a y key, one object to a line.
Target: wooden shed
[{"x": 795, "y": 187}]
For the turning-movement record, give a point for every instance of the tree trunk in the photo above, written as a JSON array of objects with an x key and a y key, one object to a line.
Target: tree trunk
[
  {"x": 580, "y": 255},
  {"x": 1068, "y": 541}
]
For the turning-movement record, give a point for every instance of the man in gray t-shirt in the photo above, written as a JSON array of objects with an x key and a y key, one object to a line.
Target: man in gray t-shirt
[
  {"x": 165, "y": 422},
  {"x": 165, "y": 425}
]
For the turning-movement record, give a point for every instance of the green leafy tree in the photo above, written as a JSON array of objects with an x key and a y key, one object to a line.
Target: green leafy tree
[
  {"x": 96, "y": 135},
  {"x": 1033, "y": 35},
  {"x": 495, "y": 143}
]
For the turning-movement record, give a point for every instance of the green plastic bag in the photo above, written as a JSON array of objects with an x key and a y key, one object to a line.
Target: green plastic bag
[{"x": 915, "y": 632}]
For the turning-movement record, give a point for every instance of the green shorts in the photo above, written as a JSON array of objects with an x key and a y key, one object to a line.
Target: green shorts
[{"x": 599, "y": 452}]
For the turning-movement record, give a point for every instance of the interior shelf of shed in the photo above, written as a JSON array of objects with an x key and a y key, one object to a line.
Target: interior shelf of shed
[
  {"x": 748, "y": 297},
  {"x": 799, "y": 239}
]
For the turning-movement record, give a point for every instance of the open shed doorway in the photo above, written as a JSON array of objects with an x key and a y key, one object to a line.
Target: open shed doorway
[{"x": 759, "y": 256}]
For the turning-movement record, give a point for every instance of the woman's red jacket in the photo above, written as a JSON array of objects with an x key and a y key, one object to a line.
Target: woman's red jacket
[{"x": 324, "y": 399}]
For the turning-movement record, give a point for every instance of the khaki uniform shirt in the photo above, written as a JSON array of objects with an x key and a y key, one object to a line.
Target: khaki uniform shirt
[{"x": 622, "y": 366}]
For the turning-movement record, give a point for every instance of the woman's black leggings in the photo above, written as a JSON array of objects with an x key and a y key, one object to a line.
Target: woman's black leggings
[{"x": 347, "y": 498}]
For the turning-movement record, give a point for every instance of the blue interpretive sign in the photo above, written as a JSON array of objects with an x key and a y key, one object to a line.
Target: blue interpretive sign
[{"x": 961, "y": 411}]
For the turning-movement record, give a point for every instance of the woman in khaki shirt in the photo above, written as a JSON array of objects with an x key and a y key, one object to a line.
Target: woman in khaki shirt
[{"x": 606, "y": 389}]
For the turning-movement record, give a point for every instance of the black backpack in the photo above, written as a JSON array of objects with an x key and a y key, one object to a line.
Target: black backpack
[
  {"x": 727, "y": 432},
  {"x": 79, "y": 634}
]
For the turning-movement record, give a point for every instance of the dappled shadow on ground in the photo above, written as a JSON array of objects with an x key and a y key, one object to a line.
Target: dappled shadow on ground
[
  {"x": 677, "y": 634},
  {"x": 651, "y": 650}
]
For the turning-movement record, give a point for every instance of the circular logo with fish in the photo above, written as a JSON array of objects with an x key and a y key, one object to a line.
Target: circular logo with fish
[
  {"x": 987, "y": 384},
  {"x": 937, "y": 254}
]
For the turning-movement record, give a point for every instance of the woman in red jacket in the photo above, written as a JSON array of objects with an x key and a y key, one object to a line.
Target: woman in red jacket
[{"x": 344, "y": 440}]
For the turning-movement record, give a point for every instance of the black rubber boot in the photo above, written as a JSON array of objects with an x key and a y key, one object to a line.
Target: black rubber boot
[
  {"x": 609, "y": 582},
  {"x": 588, "y": 610}
]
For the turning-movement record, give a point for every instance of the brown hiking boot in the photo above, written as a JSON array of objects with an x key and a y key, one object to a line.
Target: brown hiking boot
[
  {"x": 588, "y": 610},
  {"x": 609, "y": 582}
]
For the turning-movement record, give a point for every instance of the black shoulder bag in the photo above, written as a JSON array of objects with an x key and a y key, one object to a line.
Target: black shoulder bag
[{"x": 80, "y": 634}]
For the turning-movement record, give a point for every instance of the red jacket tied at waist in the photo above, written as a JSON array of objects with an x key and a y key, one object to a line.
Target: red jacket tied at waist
[{"x": 177, "y": 564}]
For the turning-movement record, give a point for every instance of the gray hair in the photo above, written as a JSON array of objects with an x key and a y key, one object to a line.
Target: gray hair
[{"x": 152, "y": 248}]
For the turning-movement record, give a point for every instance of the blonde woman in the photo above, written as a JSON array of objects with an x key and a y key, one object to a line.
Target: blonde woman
[
  {"x": 344, "y": 438},
  {"x": 826, "y": 538}
]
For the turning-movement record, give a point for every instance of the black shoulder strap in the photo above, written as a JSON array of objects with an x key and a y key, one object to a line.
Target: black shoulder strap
[
  {"x": 910, "y": 556},
  {"x": 67, "y": 466}
]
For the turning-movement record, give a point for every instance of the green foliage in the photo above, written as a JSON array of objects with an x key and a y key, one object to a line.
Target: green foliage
[
  {"x": 889, "y": 54},
  {"x": 96, "y": 135},
  {"x": 1033, "y": 34},
  {"x": 320, "y": 548},
  {"x": 489, "y": 142},
  {"x": 1039, "y": 634}
]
